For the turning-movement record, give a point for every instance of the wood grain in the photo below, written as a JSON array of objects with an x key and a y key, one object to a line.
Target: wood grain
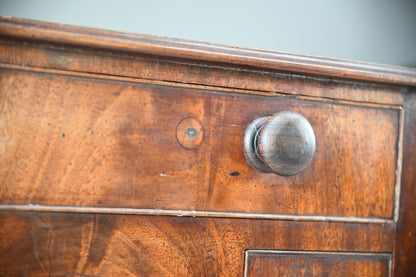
[
  {"x": 298, "y": 263},
  {"x": 189, "y": 72},
  {"x": 405, "y": 257},
  {"x": 73, "y": 141},
  {"x": 286, "y": 143},
  {"x": 136, "y": 43},
  {"x": 60, "y": 244},
  {"x": 97, "y": 127}
]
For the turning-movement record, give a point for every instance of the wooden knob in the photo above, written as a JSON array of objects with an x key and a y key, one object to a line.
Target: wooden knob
[{"x": 283, "y": 143}]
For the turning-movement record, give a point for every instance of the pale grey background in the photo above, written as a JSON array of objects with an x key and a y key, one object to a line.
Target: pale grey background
[{"x": 377, "y": 31}]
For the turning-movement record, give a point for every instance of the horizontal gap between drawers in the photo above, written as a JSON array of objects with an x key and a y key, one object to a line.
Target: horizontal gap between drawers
[{"x": 181, "y": 213}]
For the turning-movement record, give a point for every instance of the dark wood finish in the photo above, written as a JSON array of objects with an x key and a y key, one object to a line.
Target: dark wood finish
[
  {"x": 130, "y": 245},
  {"x": 114, "y": 144},
  {"x": 122, "y": 154},
  {"x": 284, "y": 143},
  {"x": 251, "y": 144},
  {"x": 405, "y": 252},
  {"x": 281, "y": 263}
]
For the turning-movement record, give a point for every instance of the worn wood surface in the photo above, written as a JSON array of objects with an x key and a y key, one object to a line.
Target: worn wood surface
[
  {"x": 59, "y": 244},
  {"x": 136, "y": 43},
  {"x": 286, "y": 143},
  {"x": 273, "y": 263},
  {"x": 405, "y": 257},
  {"x": 187, "y": 72},
  {"x": 76, "y": 141},
  {"x": 93, "y": 122}
]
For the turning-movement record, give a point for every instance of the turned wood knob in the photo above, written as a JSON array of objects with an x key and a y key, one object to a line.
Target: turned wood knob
[{"x": 283, "y": 143}]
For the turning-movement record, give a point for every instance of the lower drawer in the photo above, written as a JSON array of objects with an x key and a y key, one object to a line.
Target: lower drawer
[
  {"x": 70, "y": 244},
  {"x": 307, "y": 263}
]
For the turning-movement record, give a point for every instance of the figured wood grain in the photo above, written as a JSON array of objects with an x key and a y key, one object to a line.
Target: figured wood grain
[
  {"x": 298, "y": 263},
  {"x": 74, "y": 141},
  {"x": 61, "y": 244},
  {"x": 89, "y": 123}
]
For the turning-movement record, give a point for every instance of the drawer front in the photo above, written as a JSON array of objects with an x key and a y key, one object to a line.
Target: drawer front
[
  {"x": 77, "y": 244},
  {"x": 304, "y": 263},
  {"x": 89, "y": 142}
]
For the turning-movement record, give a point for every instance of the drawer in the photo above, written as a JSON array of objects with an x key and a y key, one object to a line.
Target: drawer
[
  {"x": 78, "y": 141},
  {"x": 307, "y": 263},
  {"x": 100, "y": 131},
  {"x": 83, "y": 244}
]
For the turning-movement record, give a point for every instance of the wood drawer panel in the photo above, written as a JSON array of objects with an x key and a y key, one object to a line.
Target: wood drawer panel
[
  {"x": 188, "y": 72},
  {"x": 86, "y": 142},
  {"x": 298, "y": 263},
  {"x": 68, "y": 244}
]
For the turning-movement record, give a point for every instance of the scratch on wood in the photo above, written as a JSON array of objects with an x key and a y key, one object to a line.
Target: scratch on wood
[
  {"x": 50, "y": 253},
  {"x": 50, "y": 245},
  {"x": 35, "y": 250},
  {"x": 285, "y": 206},
  {"x": 87, "y": 233},
  {"x": 81, "y": 274},
  {"x": 133, "y": 193},
  {"x": 165, "y": 175}
]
